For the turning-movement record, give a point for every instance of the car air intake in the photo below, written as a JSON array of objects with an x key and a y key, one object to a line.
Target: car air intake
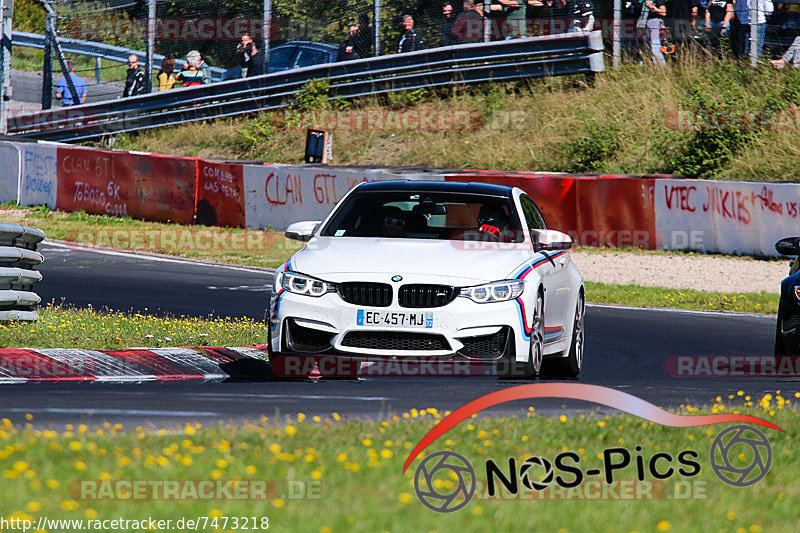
[
  {"x": 485, "y": 346},
  {"x": 426, "y": 295},
  {"x": 363, "y": 293},
  {"x": 384, "y": 340}
]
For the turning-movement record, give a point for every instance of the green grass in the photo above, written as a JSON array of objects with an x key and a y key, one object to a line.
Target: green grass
[
  {"x": 92, "y": 329},
  {"x": 636, "y": 295},
  {"x": 264, "y": 248},
  {"x": 356, "y": 467}
]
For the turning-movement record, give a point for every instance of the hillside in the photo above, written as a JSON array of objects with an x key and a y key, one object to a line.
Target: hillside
[{"x": 639, "y": 119}]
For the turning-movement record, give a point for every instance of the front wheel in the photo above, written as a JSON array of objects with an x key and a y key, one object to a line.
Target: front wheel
[
  {"x": 571, "y": 365},
  {"x": 509, "y": 368}
]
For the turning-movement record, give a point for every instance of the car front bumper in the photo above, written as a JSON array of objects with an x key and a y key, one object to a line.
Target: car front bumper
[{"x": 328, "y": 325}]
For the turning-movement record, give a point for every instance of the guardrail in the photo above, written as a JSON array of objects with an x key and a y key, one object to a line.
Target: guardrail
[
  {"x": 96, "y": 50},
  {"x": 18, "y": 257},
  {"x": 571, "y": 53}
]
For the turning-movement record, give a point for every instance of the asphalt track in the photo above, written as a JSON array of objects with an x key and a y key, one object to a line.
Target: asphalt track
[{"x": 626, "y": 349}]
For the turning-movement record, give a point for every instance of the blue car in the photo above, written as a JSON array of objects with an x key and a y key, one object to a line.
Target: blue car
[
  {"x": 787, "y": 332},
  {"x": 294, "y": 54}
]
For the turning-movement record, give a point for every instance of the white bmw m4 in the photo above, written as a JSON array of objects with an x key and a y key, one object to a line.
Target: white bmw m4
[{"x": 427, "y": 269}]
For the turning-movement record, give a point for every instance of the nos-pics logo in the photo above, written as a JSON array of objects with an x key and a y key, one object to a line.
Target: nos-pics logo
[{"x": 445, "y": 481}]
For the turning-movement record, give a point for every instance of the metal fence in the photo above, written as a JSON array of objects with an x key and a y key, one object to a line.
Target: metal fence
[
  {"x": 18, "y": 257},
  {"x": 514, "y": 59}
]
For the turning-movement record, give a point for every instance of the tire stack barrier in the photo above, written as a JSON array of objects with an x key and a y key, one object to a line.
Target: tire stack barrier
[{"x": 18, "y": 259}]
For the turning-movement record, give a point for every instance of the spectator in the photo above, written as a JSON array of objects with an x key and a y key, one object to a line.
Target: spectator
[
  {"x": 468, "y": 27},
  {"x": 203, "y": 66},
  {"x": 134, "y": 80},
  {"x": 742, "y": 9},
  {"x": 582, "y": 15},
  {"x": 447, "y": 37},
  {"x": 62, "y": 88},
  {"x": 364, "y": 36},
  {"x": 719, "y": 14},
  {"x": 508, "y": 19},
  {"x": 411, "y": 40},
  {"x": 246, "y": 49},
  {"x": 699, "y": 12},
  {"x": 166, "y": 80},
  {"x": 348, "y": 49},
  {"x": 655, "y": 25},
  {"x": 681, "y": 19},
  {"x": 791, "y": 57},
  {"x": 256, "y": 66},
  {"x": 191, "y": 75}
]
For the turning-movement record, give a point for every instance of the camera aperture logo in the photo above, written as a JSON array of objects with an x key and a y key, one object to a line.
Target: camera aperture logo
[
  {"x": 444, "y": 464},
  {"x": 736, "y": 441},
  {"x": 446, "y": 481}
]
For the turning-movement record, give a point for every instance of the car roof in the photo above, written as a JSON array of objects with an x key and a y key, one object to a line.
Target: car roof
[
  {"x": 486, "y": 189},
  {"x": 309, "y": 44}
]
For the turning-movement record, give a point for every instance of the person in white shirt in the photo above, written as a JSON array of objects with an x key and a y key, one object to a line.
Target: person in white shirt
[{"x": 742, "y": 9}]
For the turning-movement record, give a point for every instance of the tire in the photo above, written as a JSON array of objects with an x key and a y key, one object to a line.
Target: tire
[
  {"x": 570, "y": 366},
  {"x": 509, "y": 368},
  {"x": 780, "y": 346}
]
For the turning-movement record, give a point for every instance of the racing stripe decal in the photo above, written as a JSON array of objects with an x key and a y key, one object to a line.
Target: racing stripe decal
[{"x": 522, "y": 274}]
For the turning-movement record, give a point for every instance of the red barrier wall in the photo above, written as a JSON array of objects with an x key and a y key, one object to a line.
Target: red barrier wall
[
  {"x": 594, "y": 210},
  {"x": 614, "y": 211},
  {"x": 220, "y": 194},
  {"x": 145, "y": 186},
  {"x": 555, "y": 196}
]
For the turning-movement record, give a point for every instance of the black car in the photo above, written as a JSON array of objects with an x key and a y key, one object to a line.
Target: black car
[{"x": 787, "y": 332}]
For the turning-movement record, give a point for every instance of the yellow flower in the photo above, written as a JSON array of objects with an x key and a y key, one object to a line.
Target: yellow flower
[
  {"x": 69, "y": 505},
  {"x": 325, "y": 529},
  {"x": 386, "y": 454},
  {"x": 316, "y": 474},
  {"x": 562, "y": 418},
  {"x": 33, "y": 506},
  {"x": 90, "y": 514},
  {"x": 291, "y": 430},
  {"x": 278, "y": 503},
  {"x": 405, "y": 498},
  {"x": 80, "y": 466},
  {"x": 663, "y": 526},
  {"x": 52, "y": 484},
  {"x": 215, "y": 513},
  {"x": 75, "y": 446},
  {"x": 221, "y": 463},
  {"x": 342, "y": 457},
  {"x": 730, "y": 515},
  {"x": 250, "y": 469}
]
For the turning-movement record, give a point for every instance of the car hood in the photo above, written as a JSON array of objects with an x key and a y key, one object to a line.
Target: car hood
[{"x": 357, "y": 258}]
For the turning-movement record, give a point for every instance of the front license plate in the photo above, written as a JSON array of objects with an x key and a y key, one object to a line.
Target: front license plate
[{"x": 390, "y": 318}]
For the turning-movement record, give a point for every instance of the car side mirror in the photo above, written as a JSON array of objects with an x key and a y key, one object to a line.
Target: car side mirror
[
  {"x": 302, "y": 231},
  {"x": 549, "y": 240},
  {"x": 789, "y": 246}
]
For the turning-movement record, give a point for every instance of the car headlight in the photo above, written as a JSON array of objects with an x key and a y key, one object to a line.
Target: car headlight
[
  {"x": 498, "y": 291},
  {"x": 306, "y": 285}
]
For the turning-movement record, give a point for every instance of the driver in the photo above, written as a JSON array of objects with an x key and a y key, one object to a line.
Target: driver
[
  {"x": 393, "y": 222},
  {"x": 492, "y": 221}
]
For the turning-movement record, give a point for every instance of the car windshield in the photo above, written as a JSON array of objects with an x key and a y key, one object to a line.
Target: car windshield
[{"x": 429, "y": 215}]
